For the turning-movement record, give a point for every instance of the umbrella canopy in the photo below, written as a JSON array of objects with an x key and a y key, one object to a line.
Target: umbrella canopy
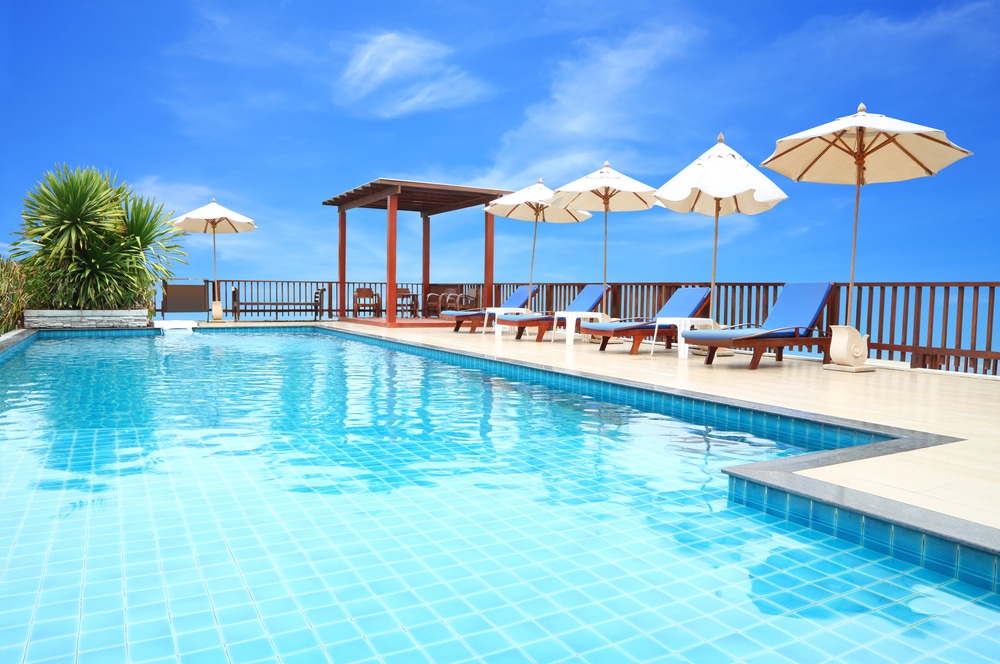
[
  {"x": 718, "y": 183},
  {"x": 214, "y": 219},
  {"x": 604, "y": 190},
  {"x": 860, "y": 149},
  {"x": 529, "y": 204}
]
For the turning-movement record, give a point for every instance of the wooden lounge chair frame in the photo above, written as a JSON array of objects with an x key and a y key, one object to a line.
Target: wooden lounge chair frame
[
  {"x": 548, "y": 320},
  {"x": 643, "y": 329},
  {"x": 764, "y": 340},
  {"x": 482, "y": 317}
]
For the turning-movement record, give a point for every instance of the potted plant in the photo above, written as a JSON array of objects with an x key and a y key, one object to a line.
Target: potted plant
[{"x": 90, "y": 244}]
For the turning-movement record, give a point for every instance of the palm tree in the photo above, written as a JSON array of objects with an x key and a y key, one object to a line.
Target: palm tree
[{"x": 87, "y": 242}]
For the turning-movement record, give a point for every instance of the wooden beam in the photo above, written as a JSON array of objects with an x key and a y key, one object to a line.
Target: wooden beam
[
  {"x": 371, "y": 198},
  {"x": 458, "y": 206}
]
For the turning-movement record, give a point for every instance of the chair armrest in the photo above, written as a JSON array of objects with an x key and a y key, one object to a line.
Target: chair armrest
[{"x": 464, "y": 301}]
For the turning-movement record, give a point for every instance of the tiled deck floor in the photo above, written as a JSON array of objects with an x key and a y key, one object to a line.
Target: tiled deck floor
[{"x": 960, "y": 479}]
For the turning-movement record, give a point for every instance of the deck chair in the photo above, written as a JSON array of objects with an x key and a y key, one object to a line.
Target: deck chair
[
  {"x": 684, "y": 303},
  {"x": 367, "y": 300},
  {"x": 586, "y": 301},
  {"x": 792, "y": 322},
  {"x": 518, "y": 301}
]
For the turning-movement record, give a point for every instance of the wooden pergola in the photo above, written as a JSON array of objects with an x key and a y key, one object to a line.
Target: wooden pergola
[{"x": 428, "y": 199}]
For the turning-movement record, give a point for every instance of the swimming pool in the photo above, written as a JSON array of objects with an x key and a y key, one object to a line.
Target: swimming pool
[{"x": 297, "y": 497}]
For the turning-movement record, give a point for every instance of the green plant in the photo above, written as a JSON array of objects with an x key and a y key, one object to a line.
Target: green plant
[
  {"x": 87, "y": 242},
  {"x": 12, "y": 294}
]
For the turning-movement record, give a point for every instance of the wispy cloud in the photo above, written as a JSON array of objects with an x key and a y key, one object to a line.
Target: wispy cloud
[
  {"x": 599, "y": 106},
  {"x": 399, "y": 74}
]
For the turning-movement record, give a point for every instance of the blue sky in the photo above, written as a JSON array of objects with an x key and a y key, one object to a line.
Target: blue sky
[{"x": 272, "y": 107}]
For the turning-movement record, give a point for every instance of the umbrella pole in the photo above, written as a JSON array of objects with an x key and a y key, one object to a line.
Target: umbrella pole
[
  {"x": 215, "y": 270},
  {"x": 216, "y": 301},
  {"x": 715, "y": 253},
  {"x": 859, "y": 160},
  {"x": 606, "y": 306},
  {"x": 534, "y": 239}
]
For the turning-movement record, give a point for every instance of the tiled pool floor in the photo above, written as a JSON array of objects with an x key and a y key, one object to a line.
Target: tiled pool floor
[
  {"x": 200, "y": 548},
  {"x": 960, "y": 479}
]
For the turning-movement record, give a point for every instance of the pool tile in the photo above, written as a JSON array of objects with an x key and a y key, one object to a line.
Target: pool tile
[
  {"x": 850, "y": 526},
  {"x": 977, "y": 567},
  {"x": 665, "y": 569},
  {"x": 824, "y": 518},
  {"x": 940, "y": 555}
]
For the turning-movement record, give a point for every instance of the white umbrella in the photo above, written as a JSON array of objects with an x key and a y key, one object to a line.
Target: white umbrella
[
  {"x": 864, "y": 148},
  {"x": 718, "y": 183},
  {"x": 529, "y": 204},
  {"x": 214, "y": 219},
  {"x": 606, "y": 190}
]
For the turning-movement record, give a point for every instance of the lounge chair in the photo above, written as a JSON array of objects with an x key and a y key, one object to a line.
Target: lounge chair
[
  {"x": 518, "y": 301},
  {"x": 582, "y": 305},
  {"x": 792, "y": 321},
  {"x": 684, "y": 303}
]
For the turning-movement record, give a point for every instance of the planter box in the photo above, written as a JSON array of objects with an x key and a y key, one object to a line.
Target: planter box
[{"x": 63, "y": 319}]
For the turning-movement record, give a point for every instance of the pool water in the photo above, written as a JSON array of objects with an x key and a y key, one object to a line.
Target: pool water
[{"x": 302, "y": 498}]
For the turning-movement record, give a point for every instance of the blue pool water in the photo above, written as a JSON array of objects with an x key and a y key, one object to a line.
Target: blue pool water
[{"x": 302, "y": 498}]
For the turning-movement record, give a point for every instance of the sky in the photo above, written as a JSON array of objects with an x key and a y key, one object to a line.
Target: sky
[{"x": 271, "y": 107}]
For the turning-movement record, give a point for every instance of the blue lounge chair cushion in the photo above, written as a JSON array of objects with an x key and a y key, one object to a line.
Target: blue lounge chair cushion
[
  {"x": 794, "y": 312},
  {"x": 517, "y": 300},
  {"x": 684, "y": 303},
  {"x": 586, "y": 300}
]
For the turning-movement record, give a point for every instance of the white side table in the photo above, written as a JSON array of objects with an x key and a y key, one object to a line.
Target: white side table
[
  {"x": 499, "y": 311},
  {"x": 682, "y": 324},
  {"x": 572, "y": 318}
]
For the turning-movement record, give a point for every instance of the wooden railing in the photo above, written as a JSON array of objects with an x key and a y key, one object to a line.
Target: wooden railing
[{"x": 935, "y": 325}]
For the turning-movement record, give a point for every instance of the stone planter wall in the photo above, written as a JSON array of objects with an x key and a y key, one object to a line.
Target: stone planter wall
[{"x": 57, "y": 319}]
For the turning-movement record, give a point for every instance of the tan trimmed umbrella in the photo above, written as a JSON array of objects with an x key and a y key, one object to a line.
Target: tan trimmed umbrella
[
  {"x": 718, "y": 183},
  {"x": 860, "y": 149},
  {"x": 215, "y": 219},
  {"x": 604, "y": 190},
  {"x": 529, "y": 204}
]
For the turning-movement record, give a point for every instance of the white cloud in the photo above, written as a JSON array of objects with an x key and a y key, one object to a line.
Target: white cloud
[
  {"x": 399, "y": 74},
  {"x": 599, "y": 107}
]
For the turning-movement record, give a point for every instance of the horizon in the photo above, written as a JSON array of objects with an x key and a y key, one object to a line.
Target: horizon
[{"x": 272, "y": 108}]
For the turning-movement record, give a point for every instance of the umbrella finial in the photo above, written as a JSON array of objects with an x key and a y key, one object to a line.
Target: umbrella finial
[
  {"x": 213, "y": 199},
  {"x": 607, "y": 164},
  {"x": 861, "y": 108},
  {"x": 539, "y": 180},
  {"x": 721, "y": 139}
]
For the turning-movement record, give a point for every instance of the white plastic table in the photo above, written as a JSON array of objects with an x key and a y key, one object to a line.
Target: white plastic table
[
  {"x": 499, "y": 311},
  {"x": 572, "y": 318},
  {"x": 682, "y": 324}
]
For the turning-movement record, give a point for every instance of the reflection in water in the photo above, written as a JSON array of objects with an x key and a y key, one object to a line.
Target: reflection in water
[
  {"x": 328, "y": 416},
  {"x": 264, "y": 448}
]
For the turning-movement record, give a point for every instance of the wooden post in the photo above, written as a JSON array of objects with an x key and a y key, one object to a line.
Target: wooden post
[
  {"x": 488, "y": 263},
  {"x": 342, "y": 265},
  {"x": 426, "y": 267},
  {"x": 390, "y": 261}
]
